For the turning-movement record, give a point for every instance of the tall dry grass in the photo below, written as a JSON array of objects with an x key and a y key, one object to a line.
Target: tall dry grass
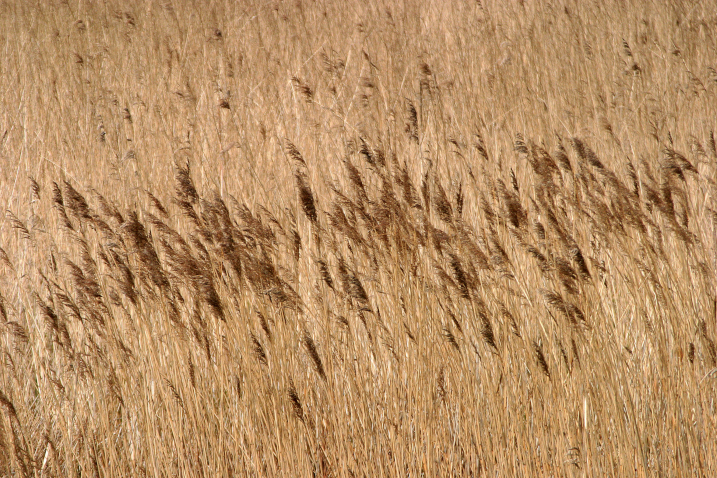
[{"x": 350, "y": 239}]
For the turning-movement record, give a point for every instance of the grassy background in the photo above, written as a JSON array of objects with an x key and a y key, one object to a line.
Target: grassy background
[{"x": 350, "y": 239}]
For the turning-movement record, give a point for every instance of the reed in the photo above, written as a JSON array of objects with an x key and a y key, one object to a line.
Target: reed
[{"x": 323, "y": 239}]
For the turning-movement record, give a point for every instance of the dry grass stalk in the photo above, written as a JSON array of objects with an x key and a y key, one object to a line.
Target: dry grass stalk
[{"x": 314, "y": 355}]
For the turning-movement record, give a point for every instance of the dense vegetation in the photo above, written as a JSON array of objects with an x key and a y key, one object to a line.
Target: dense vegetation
[{"x": 358, "y": 239}]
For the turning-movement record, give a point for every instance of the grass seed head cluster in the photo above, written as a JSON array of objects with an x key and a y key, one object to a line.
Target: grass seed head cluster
[{"x": 358, "y": 239}]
